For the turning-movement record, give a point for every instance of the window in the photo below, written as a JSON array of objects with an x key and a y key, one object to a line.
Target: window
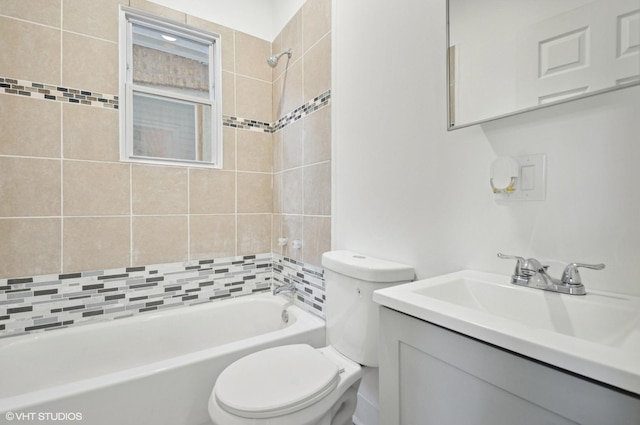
[{"x": 170, "y": 105}]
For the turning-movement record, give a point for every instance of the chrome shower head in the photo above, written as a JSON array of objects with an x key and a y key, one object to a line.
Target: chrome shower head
[{"x": 273, "y": 59}]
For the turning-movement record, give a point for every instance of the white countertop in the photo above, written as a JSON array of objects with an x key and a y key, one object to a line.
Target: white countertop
[{"x": 596, "y": 335}]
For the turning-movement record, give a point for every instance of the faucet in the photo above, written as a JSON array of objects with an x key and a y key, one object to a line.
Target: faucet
[
  {"x": 531, "y": 273},
  {"x": 290, "y": 287}
]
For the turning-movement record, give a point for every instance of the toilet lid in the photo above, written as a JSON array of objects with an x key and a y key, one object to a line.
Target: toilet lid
[{"x": 276, "y": 381}]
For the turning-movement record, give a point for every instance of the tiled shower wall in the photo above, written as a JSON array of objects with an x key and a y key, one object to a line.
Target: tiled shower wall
[
  {"x": 302, "y": 150},
  {"x": 68, "y": 205}
]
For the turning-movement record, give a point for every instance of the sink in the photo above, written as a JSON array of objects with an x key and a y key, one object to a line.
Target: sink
[{"x": 596, "y": 335}]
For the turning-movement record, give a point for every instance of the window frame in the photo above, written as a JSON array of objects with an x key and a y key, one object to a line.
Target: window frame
[{"x": 129, "y": 17}]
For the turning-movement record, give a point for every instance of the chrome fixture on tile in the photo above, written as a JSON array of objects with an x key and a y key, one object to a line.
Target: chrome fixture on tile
[
  {"x": 531, "y": 273},
  {"x": 291, "y": 288},
  {"x": 273, "y": 59}
]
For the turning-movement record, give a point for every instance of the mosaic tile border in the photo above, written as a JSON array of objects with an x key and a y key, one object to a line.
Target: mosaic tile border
[
  {"x": 56, "y": 93},
  {"x": 43, "y": 91},
  {"x": 48, "y": 302},
  {"x": 302, "y": 111},
  {"x": 308, "y": 279}
]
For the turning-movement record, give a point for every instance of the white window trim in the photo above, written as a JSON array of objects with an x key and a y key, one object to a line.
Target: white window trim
[{"x": 128, "y": 15}]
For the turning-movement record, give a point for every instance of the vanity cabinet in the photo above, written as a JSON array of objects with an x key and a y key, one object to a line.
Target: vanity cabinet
[{"x": 430, "y": 375}]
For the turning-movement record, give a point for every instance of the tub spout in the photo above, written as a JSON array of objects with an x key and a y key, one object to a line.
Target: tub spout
[{"x": 291, "y": 288}]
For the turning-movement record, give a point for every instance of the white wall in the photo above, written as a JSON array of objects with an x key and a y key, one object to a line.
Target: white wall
[
  {"x": 260, "y": 18},
  {"x": 405, "y": 189}
]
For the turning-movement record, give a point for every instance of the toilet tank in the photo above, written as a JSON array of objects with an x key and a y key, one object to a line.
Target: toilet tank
[{"x": 351, "y": 313}]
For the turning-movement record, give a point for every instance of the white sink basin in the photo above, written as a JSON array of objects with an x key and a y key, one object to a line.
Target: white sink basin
[{"x": 596, "y": 335}]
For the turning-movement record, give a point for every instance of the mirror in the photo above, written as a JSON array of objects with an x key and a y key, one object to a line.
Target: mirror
[{"x": 510, "y": 56}]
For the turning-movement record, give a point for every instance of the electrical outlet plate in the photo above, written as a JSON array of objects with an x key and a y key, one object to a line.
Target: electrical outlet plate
[{"x": 532, "y": 179}]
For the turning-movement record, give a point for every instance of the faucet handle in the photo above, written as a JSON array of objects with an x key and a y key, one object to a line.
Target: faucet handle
[
  {"x": 571, "y": 275},
  {"x": 520, "y": 262}
]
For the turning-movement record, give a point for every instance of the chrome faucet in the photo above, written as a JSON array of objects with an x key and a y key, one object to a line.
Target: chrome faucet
[
  {"x": 290, "y": 287},
  {"x": 531, "y": 273}
]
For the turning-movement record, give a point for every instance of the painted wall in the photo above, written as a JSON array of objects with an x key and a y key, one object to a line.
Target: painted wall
[
  {"x": 405, "y": 189},
  {"x": 260, "y": 18}
]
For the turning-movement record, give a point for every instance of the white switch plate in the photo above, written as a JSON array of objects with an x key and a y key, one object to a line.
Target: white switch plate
[{"x": 532, "y": 179}]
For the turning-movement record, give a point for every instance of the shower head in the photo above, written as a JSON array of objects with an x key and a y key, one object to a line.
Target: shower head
[{"x": 273, "y": 59}]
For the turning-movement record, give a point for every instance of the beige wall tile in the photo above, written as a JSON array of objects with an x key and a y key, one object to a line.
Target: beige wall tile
[
  {"x": 292, "y": 145},
  {"x": 277, "y": 193},
  {"x": 317, "y": 68},
  {"x": 212, "y": 236},
  {"x": 255, "y": 151},
  {"x": 255, "y": 193},
  {"x": 316, "y": 21},
  {"x": 317, "y": 239},
  {"x": 276, "y": 232},
  {"x": 156, "y": 9},
  {"x": 226, "y": 39},
  {"x": 292, "y": 195},
  {"x": 91, "y": 133},
  {"x": 228, "y": 93},
  {"x": 159, "y": 190},
  {"x": 95, "y": 189},
  {"x": 287, "y": 91},
  {"x": 96, "y": 243},
  {"x": 229, "y": 148},
  {"x": 212, "y": 191},
  {"x": 29, "y": 187},
  {"x": 292, "y": 230},
  {"x": 253, "y": 99},
  {"x": 317, "y": 189},
  {"x": 89, "y": 64},
  {"x": 34, "y": 129},
  {"x": 98, "y": 18},
  {"x": 317, "y": 136},
  {"x": 254, "y": 234},
  {"x": 45, "y": 12},
  {"x": 289, "y": 38},
  {"x": 158, "y": 239},
  {"x": 29, "y": 247},
  {"x": 29, "y": 51},
  {"x": 99, "y": 189},
  {"x": 251, "y": 56},
  {"x": 277, "y": 151}
]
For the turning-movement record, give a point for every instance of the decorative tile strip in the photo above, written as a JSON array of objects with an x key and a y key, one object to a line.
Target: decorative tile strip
[
  {"x": 57, "y": 93},
  {"x": 302, "y": 111},
  {"x": 47, "y": 302},
  {"x": 293, "y": 116},
  {"x": 50, "y": 92},
  {"x": 309, "y": 281},
  {"x": 246, "y": 124}
]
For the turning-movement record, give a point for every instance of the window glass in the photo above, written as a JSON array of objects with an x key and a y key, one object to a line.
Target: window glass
[{"x": 171, "y": 110}]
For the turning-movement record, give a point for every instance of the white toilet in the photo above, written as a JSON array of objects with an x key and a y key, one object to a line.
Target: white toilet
[{"x": 302, "y": 385}]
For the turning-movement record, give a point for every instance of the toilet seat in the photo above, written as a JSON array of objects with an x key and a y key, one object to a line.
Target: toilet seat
[{"x": 276, "y": 381}]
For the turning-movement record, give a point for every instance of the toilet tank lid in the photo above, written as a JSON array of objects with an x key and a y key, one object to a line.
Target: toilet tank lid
[{"x": 366, "y": 268}]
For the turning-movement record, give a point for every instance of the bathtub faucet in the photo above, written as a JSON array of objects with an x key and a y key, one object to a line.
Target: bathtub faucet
[{"x": 291, "y": 288}]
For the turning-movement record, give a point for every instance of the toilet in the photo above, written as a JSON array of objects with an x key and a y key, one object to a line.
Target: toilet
[{"x": 301, "y": 385}]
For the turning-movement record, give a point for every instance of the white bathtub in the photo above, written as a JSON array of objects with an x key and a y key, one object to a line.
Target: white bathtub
[{"x": 149, "y": 369}]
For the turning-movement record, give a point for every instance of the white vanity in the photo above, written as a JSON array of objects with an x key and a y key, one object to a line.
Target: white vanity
[{"x": 470, "y": 348}]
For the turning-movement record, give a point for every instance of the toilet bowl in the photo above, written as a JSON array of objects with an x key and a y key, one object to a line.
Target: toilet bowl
[
  {"x": 301, "y": 385},
  {"x": 288, "y": 385}
]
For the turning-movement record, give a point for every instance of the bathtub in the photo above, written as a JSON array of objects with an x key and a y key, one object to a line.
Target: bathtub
[{"x": 156, "y": 368}]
